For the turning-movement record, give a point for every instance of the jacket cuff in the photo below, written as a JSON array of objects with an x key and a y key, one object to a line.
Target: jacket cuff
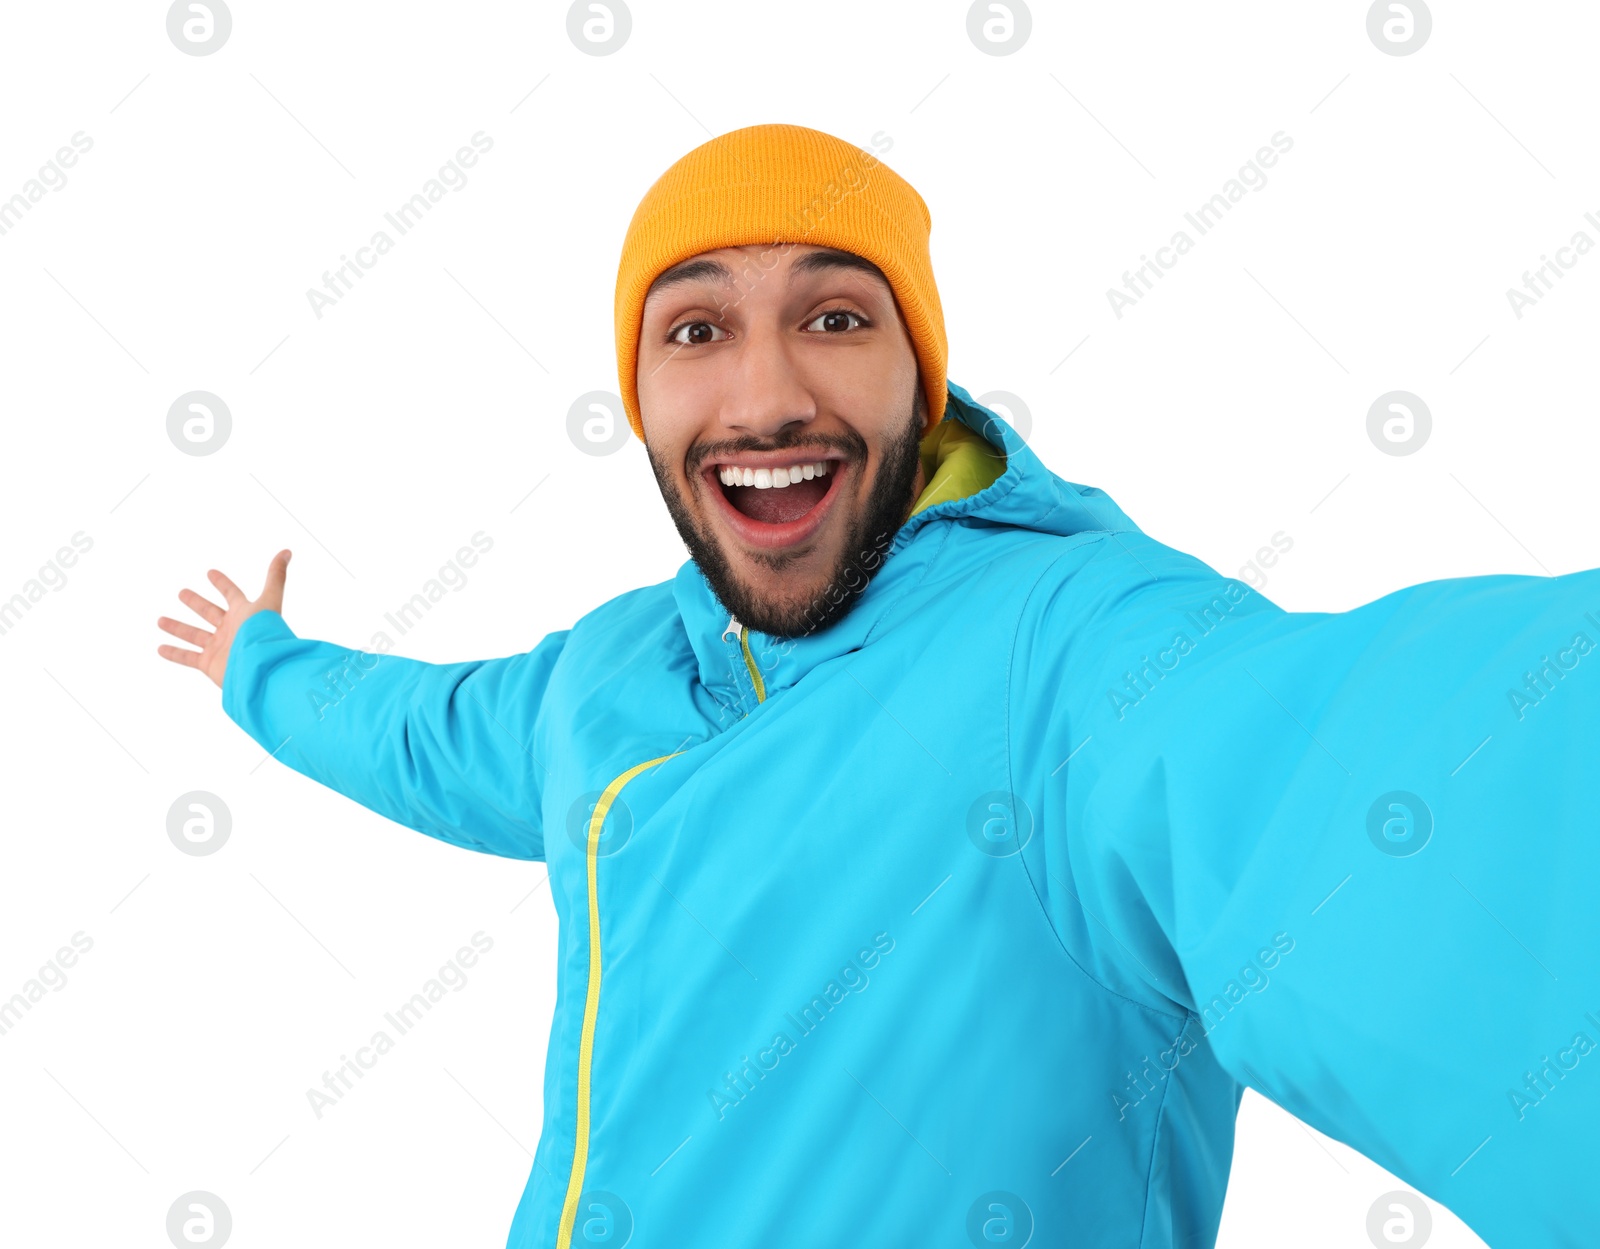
[{"x": 244, "y": 656}]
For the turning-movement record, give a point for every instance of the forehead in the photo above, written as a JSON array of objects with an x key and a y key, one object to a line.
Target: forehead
[{"x": 724, "y": 266}]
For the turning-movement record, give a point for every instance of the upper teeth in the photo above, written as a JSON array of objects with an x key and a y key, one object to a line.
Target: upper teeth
[{"x": 768, "y": 478}]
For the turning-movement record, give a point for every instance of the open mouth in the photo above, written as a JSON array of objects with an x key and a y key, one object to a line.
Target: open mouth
[{"x": 771, "y": 501}]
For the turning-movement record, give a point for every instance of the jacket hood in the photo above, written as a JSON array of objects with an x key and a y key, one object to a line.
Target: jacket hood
[{"x": 1026, "y": 495}]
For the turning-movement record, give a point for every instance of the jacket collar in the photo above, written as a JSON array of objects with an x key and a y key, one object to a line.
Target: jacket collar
[{"x": 1026, "y": 495}]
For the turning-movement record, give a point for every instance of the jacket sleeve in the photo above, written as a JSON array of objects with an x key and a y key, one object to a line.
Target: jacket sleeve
[
  {"x": 447, "y": 749},
  {"x": 1360, "y": 849}
]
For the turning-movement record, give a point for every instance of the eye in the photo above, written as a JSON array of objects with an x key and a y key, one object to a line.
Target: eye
[
  {"x": 829, "y": 322},
  {"x": 699, "y": 332}
]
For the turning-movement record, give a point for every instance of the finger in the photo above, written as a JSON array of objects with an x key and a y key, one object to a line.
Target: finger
[
  {"x": 189, "y": 659},
  {"x": 272, "y": 589},
  {"x": 232, "y": 593},
  {"x": 185, "y": 631},
  {"x": 202, "y": 607}
]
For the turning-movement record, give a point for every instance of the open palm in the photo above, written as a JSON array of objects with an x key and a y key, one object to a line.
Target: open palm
[{"x": 214, "y": 644}]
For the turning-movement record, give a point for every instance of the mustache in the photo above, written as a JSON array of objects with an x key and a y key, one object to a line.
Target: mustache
[{"x": 850, "y": 447}]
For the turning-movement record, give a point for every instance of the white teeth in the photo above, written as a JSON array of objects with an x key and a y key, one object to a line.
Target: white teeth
[{"x": 771, "y": 478}]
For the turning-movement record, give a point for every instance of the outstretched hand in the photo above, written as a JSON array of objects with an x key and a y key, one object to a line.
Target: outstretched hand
[{"x": 214, "y": 644}]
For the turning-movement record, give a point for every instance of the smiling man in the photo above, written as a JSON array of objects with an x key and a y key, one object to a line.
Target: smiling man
[
  {"x": 937, "y": 855},
  {"x": 785, "y": 424}
]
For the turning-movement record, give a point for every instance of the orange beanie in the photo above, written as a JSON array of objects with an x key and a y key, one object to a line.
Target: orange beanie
[{"x": 783, "y": 184}]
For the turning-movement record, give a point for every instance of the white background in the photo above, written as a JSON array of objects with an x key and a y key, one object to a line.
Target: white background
[{"x": 1228, "y": 405}]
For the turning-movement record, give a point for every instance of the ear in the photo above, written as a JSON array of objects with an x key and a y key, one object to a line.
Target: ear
[{"x": 920, "y": 405}]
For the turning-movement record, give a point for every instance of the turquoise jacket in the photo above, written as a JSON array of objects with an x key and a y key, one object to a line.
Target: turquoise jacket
[{"x": 968, "y": 919}]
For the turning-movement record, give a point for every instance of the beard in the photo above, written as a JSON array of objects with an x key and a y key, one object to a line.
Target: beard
[{"x": 867, "y": 536}]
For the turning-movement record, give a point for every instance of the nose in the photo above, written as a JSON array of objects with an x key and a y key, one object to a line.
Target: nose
[{"x": 766, "y": 394}]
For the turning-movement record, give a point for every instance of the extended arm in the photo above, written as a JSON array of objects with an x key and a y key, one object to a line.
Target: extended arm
[
  {"x": 1361, "y": 849},
  {"x": 447, "y": 749}
]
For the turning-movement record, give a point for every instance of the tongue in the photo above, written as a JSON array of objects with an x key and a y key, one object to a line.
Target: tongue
[{"x": 779, "y": 505}]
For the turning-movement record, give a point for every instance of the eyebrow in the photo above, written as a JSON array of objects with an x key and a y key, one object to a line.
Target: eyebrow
[{"x": 699, "y": 270}]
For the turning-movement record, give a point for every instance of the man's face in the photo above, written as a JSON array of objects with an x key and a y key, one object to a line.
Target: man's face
[{"x": 789, "y": 367}]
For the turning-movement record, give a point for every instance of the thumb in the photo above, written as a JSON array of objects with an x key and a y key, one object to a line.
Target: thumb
[{"x": 272, "y": 591}]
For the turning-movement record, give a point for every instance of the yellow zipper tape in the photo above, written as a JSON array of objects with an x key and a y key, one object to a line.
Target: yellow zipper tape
[
  {"x": 750, "y": 663},
  {"x": 591, "y": 1004}
]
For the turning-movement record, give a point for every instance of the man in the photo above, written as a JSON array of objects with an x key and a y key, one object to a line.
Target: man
[{"x": 937, "y": 855}]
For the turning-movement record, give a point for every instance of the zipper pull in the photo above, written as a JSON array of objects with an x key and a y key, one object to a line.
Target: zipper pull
[{"x": 738, "y": 630}]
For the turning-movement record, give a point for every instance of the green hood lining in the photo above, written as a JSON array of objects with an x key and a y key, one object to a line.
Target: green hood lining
[{"x": 956, "y": 462}]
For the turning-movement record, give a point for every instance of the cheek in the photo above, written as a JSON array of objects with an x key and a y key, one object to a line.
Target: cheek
[
  {"x": 666, "y": 448},
  {"x": 670, "y": 411},
  {"x": 877, "y": 383},
  {"x": 677, "y": 391}
]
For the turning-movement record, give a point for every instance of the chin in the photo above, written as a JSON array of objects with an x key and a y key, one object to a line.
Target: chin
[
  {"x": 772, "y": 594},
  {"x": 793, "y": 574}
]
